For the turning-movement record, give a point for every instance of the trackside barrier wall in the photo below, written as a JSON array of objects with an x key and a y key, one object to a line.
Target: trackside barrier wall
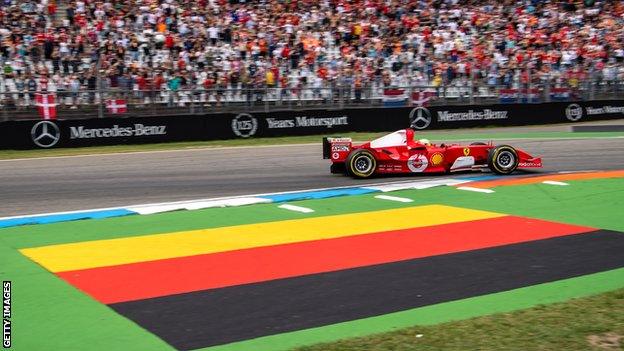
[{"x": 114, "y": 131}]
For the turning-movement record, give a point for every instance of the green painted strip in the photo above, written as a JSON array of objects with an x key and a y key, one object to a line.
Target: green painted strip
[
  {"x": 47, "y": 310},
  {"x": 49, "y": 314},
  {"x": 462, "y": 309},
  {"x": 597, "y": 203}
]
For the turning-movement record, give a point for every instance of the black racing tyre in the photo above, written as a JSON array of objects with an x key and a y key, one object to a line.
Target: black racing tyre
[
  {"x": 361, "y": 164},
  {"x": 503, "y": 159}
]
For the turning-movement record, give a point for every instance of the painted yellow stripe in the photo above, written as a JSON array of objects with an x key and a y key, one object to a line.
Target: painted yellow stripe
[{"x": 100, "y": 253}]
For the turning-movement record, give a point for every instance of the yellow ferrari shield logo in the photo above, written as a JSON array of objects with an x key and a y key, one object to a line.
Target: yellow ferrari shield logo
[{"x": 466, "y": 151}]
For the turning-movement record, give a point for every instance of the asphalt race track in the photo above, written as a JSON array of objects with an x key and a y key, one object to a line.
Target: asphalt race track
[{"x": 85, "y": 182}]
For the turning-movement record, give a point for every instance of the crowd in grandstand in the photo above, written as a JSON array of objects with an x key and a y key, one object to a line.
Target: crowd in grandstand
[{"x": 72, "y": 46}]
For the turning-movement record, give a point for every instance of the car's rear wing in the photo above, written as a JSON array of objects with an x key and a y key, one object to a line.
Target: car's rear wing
[{"x": 335, "y": 145}]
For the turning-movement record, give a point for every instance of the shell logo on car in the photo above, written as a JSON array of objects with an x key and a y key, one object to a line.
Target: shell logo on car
[{"x": 437, "y": 159}]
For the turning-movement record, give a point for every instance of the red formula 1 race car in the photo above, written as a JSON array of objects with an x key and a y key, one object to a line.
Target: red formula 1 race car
[{"x": 398, "y": 152}]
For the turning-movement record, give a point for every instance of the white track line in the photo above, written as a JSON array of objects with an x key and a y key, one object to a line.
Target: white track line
[
  {"x": 296, "y": 208},
  {"x": 393, "y": 198},
  {"x": 197, "y": 205},
  {"x": 479, "y": 190},
  {"x": 420, "y": 184},
  {"x": 191, "y": 202},
  {"x": 583, "y": 171},
  {"x": 62, "y": 213},
  {"x": 552, "y": 182}
]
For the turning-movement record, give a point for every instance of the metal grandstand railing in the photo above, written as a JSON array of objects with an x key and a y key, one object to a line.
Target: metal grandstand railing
[{"x": 15, "y": 105}]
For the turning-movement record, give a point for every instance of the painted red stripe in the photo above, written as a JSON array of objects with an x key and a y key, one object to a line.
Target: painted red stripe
[{"x": 185, "y": 274}]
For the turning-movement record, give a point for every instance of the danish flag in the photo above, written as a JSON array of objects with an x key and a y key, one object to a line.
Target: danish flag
[
  {"x": 116, "y": 106},
  {"x": 422, "y": 98},
  {"x": 46, "y": 105}
]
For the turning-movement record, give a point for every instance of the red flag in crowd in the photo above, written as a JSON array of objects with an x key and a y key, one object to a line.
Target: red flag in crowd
[
  {"x": 422, "y": 98},
  {"x": 116, "y": 106},
  {"x": 46, "y": 105}
]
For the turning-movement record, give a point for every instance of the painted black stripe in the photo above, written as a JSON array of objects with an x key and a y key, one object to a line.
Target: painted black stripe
[{"x": 220, "y": 316}]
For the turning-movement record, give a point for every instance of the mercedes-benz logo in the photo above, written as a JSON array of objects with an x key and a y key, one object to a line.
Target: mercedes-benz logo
[
  {"x": 574, "y": 112},
  {"x": 244, "y": 125},
  {"x": 45, "y": 134},
  {"x": 420, "y": 118}
]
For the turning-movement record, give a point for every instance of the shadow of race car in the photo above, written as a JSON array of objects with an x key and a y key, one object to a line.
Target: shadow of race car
[{"x": 398, "y": 152}]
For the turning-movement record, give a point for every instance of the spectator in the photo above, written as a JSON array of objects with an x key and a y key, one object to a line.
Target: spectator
[{"x": 360, "y": 43}]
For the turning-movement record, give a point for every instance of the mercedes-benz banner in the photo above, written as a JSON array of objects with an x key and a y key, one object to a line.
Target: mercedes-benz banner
[{"x": 113, "y": 131}]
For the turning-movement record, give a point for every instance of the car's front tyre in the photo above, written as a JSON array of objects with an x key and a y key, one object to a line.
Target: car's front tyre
[
  {"x": 361, "y": 164},
  {"x": 503, "y": 159}
]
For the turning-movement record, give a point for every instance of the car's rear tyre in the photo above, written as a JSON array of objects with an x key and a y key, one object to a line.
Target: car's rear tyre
[
  {"x": 503, "y": 159},
  {"x": 361, "y": 164}
]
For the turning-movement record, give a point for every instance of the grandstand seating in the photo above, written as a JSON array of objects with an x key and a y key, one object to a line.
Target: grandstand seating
[{"x": 72, "y": 46}]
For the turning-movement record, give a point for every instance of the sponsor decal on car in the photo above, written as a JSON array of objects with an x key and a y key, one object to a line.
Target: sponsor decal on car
[
  {"x": 417, "y": 163},
  {"x": 390, "y": 168},
  {"x": 437, "y": 158},
  {"x": 340, "y": 148},
  {"x": 466, "y": 151},
  {"x": 339, "y": 140},
  {"x": 335, "y": 155},
  {"x": 530, "y": 164}
]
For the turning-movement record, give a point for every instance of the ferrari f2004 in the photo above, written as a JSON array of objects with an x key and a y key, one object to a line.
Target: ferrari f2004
[{"x": 398, "y": 152}]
